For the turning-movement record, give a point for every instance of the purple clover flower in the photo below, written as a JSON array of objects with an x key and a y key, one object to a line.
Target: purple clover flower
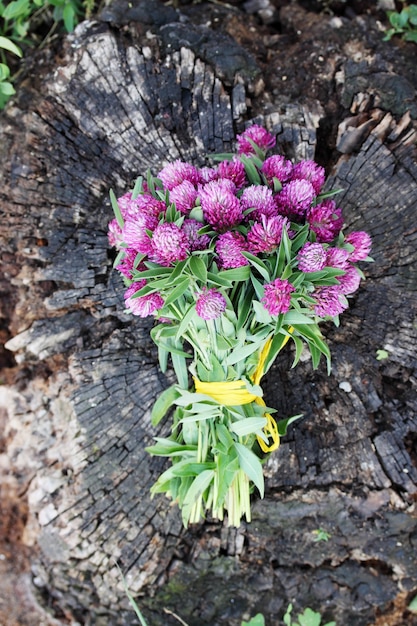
[
  {"x": 125, "y": 266},
  {"x": 265, "y": 236},
  {"x": 277, "y": 166},
  {"x": 176, "y": 173},
  {"x": 114, "y": 234},
  {"x": 295, "y": 198},
  {"x": 229, "y": 247},
  {"x": 337, "y": 257},
  {"x": 143, "y": 306},
  {"x": 169, "y": 244},
  {"x": 260, "y": 199},
  {"x": 325, "y": 220},
  {"x": 221, "y": 208},
  {"x": 207, "y": 174},
  {"x": 259, "y": 135},
  {"x": 329, "y": 301},
  {"x": 277, "y": 296},
  {"x": 312, "y": 257},
  {"x": 184, "y": 196},
  {"x": 134, "y": 232},
  {"x": 234, "y": 171},
  {"x": 210, "y": 304},
  {"x": 349, "y": 281},
  {"x": 310, "y": 171},
  {"x": 195, "y": 241},
  {"x": 361, "y": 242}
]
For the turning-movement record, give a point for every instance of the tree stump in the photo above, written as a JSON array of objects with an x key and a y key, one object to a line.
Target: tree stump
[{"x": 80, "y": 376}]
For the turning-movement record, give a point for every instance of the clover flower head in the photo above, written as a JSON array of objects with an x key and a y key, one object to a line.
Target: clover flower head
[
  {"x": 147, "y": 204},
  {"x": 310, "y": 171},
  {"x": 330, "y": 301},
  {"x": 337, "y": 257},
  {"x": 184, "y": 196},
  {"x": 295, "y": 198},
  {"x": 134, "y": 232},
  {"x": 175, "y": 173},
  {"x": 169, "y": 244},
  {"x": 143, "y": 306},
  {"x": 265, "y": 236},
  {"x": 195, "y": 241},
  {"x": 325, "y": 220},
  {"x": 126, "y": 265},
  {"x": 125, "y": 203},
  {"x": 207, "y": 174},
  {"x": 229, "y": 248},
  {"x": 210, "y": 304},
  {"x": 349, "y": 281},
  {"x": 361, "y": 242},
  {"x": 221, "y": 208},
  {"x": 312, "y": 257},
  {"x": 260, "y": 199},
  {"x": 234, "y": 171},
  {"x": 260, "y": 137},
  {"x": 277, "y": 296},
  {"x": 277, "y": 166},
  {"x": 114, "y": 233}
]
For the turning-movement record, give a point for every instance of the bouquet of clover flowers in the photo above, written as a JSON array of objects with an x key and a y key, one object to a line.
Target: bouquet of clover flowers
[{"x": 232, "y": 261}]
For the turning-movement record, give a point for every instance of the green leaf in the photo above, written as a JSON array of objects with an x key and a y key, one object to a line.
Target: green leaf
[
  {"x": 258, "y": 264},
  {"x": 283, "y": 424},
  {"x": 16, "y": 9},
  {"x": 218, "y": 280},
  {"x": 198, "y": 268},
  {"x": 4, "y": 71},
  {"x": 178, "y": 291},
  {"x": 182, "y": 327},
  {"x": 236, "y": 274},
  {"x": 261, "y": 314},
  {"x": 413, "y": 605},
  {"x": 198, "y": 487},
  {"x": 8, "y": 45},
  {"x": 163, "y": 404},
  {"x": 116, "y": 209},
  {"x": 241, "y": 353},
  {"x": 138, "y": 188},
  {"x": 251, "y": 171},
  {"x": 180, "y": 368},
  {"x": 258, "y": 620},
  {"x": 69, "y": 17},
  {"x": 251, "y": 465},
  {"x": 192, "y": 469},
  {"x": 7, "y": 89},
  {"x": 248, "y": 426},
  {"x": 309, "y": 618},
  {"x": 168, "y": 447}
]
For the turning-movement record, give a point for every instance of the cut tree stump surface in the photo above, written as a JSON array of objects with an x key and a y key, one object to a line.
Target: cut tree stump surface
[{"x": 80, "y": 376}]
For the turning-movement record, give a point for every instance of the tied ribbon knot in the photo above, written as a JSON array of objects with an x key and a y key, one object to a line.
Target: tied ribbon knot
[{"x": 235, "y": 393}]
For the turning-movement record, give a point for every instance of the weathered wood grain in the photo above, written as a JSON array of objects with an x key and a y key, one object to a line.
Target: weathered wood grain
[{"x": 85, "y": 374}]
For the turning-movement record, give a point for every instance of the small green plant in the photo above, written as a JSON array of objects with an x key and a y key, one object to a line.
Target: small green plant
[
  {"x": 403, "y": 23},
  {"x": 413, "y": 605},
  {"x": 307, "y": 618},
  {"x": 19, "y": 23},
  {"x": 6, "y": 87},
  {"x": 381, "y": 355},
  {"x": 258, "y": 620},
  {"x": 321, "y": 534}
]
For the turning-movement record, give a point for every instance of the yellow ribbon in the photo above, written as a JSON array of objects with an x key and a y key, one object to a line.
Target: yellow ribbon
[{"x": 235, "y": 393}]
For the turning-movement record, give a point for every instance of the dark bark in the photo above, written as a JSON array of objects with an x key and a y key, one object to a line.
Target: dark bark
[{"x": 83, "y": 376}]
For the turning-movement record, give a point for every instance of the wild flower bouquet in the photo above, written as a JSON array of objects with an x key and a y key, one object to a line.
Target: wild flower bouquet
[{"x": 232, "y": 261}]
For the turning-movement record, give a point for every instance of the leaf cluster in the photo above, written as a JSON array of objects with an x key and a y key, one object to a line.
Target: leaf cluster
[
  {"x": 307, "y": 618},
  {"x": 403, "y": 23},
  {"x": 23, "y": 23}
]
